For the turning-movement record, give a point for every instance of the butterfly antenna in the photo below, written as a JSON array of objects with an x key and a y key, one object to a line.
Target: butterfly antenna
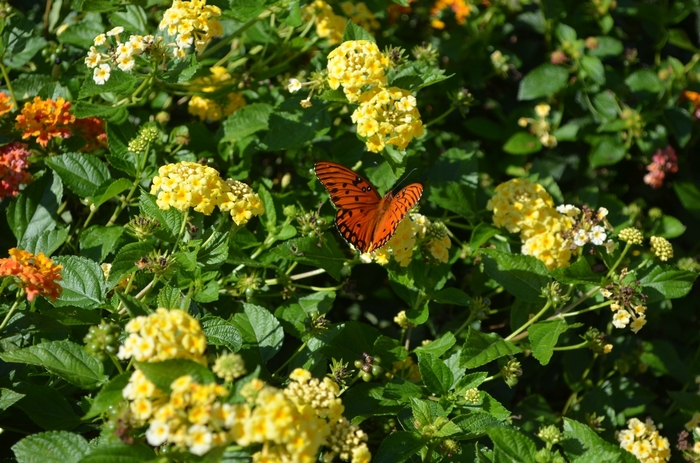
[{"x": 405, "y": 177}]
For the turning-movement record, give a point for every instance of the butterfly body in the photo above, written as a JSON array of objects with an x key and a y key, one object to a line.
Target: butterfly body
[{"x": 364, "y": 218}]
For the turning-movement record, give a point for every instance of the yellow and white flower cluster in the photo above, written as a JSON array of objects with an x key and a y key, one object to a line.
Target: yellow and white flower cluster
[
  {"x": 415, "y": 228},
  {"x": 164, "y": 335},
  {"x": 119, "y": 54},
  {"x": 522, "y": 206},
  {"x": 189, "y": 184},
  {"x": 360, "y": 15},
  {"x": 387, "y": 116},
  {"x": 356, "y": 64},
  {"x": 191, "y": 22},
  {"x": 643, "y": 440},
  {"x": 328, "y": 24},
  {"x": 540, "y": 127},
  {"x": 214, "y": 110},
  {"x": 587, "y": 226}
]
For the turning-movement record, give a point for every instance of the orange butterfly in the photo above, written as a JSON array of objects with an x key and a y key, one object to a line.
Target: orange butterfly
[{"x": 365, "y": 219}]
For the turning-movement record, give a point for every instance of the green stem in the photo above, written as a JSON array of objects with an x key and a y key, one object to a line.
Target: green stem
[
  {"x": 20, "y": 293},
  {"x": 225, "y": 41},
  {"x": 441, "y": 117},
  {"x": 628, "y": 245},
  {"x": 298, "y": 276},
  {"x": 530, "y": 322},
  {"x": 574, "y": 347},
  {"x": 8, "y": 83},
  {"x": 588, "y": 309},
  {"x": 470, "y": 319},
  {"x": 116, "y": 363},
  {"x": 147, "y": 288},
  {"x": 294, "y": 355}
]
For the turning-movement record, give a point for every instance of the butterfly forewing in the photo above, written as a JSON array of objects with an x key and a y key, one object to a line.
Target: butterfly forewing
[{"x": 364, "y": 219}]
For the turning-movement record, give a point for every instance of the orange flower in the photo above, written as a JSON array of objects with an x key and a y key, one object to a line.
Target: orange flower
[
  {"x": 36, "y": 274},
  {"x": 92, "y": 130},
  {"x": 460, "y": 8},
  {"x": 13, "y": 165},
  {"x": 6, "y": 104},
  {"x": 45, "y": 119}
]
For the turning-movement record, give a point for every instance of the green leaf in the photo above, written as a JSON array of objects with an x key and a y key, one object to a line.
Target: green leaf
[
  {"x": 476, "y": 422},
  {"x": 662, "y": 281},
  {"x": 83, "y": 33},
  {"x": 63, "y": 358},
  {"x": 456, "y": 197},
  {"x": 119, "y": 156},
  {"x": 305, "y": 250},
  {"x": 593, "y": 68},
  {"x": 81, "y": 173},
  {"x": 47, "y": 407},
  {"x": 109, "y": 395},
  {"x": 270, "y": 217},
  {"x": 83, "y": 283},
  {"x": 267, "y": 329},
  {"x": 28, "y": 85},
  {"x": 436, "y": 376},
  {"x": 514, "y": 444},
  {"x": 662, "y": 357},
  {"x": 51, "y": 447},
  {"x": 220, "y": 332},
  {"x": 215, "y": 251},
  {"x": 522, "y": 143},
  {"x": 170, "y": 221},
  {"x": 398, "y": 446},
  {"x": 688, "y": 193},
  {"x": 668, "y": 227},
  {"x": 520, "y": 275},
  {"x": 119, "y": 82},
  {"x": 118, "y": 452},
  {"x": 645, "y": 81},
  {"x": 34, "y": 210},
  {"x": 20, "y": 40},
  {"x": 109, "y": 190},
  {"x": 607, "y": 46},
  {"x": 481, "y": 348},
  {"x": 162, "y": 374},
  {"x": 681, "y": 124},
  {"x": 294, "y": 130},
  {"x": 8, "y": 398},
  {"x": 543, "y": 81},
  {"x": 46, "y": 242},
  {"x": 246, "y": 121},
  {"x": 606, "y": 105},
  {"x": 126, "y": 259},
  {"x": 544, "y": 337},
  {"x": 355, "y": 32},
  {"x": 132, "y": 19},
  {"x": 83, "y": 109},
  {"x": 582, "y": 445},
  {"x": 606, "y": 151},
  {"x": 97, "y": 241},
  {"x": 679, "y": 38},
  {"x": 481, "y": 234},
  {"x": 439, "y": 346},
  {"x": 485, "y": 128},
  {"x": 577, "y": 273},
  {"x": 245, "y": 10}
]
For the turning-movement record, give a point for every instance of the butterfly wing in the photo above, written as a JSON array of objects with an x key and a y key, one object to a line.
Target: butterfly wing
[
  {"x": 357, "y": 202},
  {"x": 397, "y": 209}
]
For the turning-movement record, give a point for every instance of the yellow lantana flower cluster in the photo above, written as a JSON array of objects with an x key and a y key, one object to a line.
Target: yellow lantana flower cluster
[
  {"x": 119, "y": 54},
  {"x": 387, "y": 116},
  {"x": 214, "y": 110},
  {"x": 360, "y": 15},
  {"x": 189, "y": 184},
  {"x": 414, "y": 229},
  {"x": 356, "y": 64},
  {"x": 522, "y": 206},
  {"x": 164, "y": 335},
  {"x": 643, "y": 441},
  {"x": 191, "y": 22},
  {"x": 328, "y": 24},
  {"x": 540, "y": 127}
]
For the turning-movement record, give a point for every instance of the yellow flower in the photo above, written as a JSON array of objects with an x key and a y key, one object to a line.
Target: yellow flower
[
  {"x": 355, "y": 64},
  {"x": 661, "y": 248},
  {"x": 643, "y": 440},
  {"x": 210, "y": 109},
  {"x": 6, "y": 104},
  {"x": 241, "y": 201},
  {"x": 360, "y": 15},
  {"x": 188, "y": 184},
  {"x": 192, "y": 22},
  {"x": 328, "y": 25},
  {"x": 631, "y": 235}
]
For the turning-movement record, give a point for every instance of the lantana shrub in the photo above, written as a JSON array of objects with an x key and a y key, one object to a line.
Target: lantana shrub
[{"x": 173, "y": 287}]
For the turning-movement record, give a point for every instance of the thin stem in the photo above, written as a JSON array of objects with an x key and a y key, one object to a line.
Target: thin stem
[
  {"x": 225, "y": 41},
  {"x": 569, "y": 307},
  {"x": 574, "y": 347},
  {"x": 531, "y": 321},
  {"x": 20, "y": 293},
  {"x": 320, "y": 289},
  {"x": 116, "y": 363},
  {"x": 298, "y": 276},
  {"x": 472, "y": 316},
  {"x": 298, "y": 351},
  {"x": 147, "y": 288},
  {"x": 628, "y": 245},
  {"x": 441, "y": 116},
  {"x": 588, "y": 309},
  {"x": 8, "y": 83}
]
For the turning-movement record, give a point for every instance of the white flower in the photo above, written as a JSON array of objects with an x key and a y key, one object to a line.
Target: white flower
[
  {"x": 568, "y": 209},
  {"x": 621, "y": 319},
  {"x": 126, "y": 63},
  {"x": 597, "y": 235},
  {"x": 542, "y": 110},
  {"x": 157, "y": 433},
  {"x": 199, "y": 439},
  {"x": 580, "y": 238},
  {"x": 610, "y": 246},
  {"x": 179, "y": 53},
  {"x": 100, "y": 40},
  {"x": 116, "y": 30},
  {"x": 294, "y": 85},
  {"x": 638, "y": 324},
  {"x": 125, "y": 49},
  {"x": 101, "y": 74},
  {"x": 602, "y": 213},
  {"x": 366, "y": 257},
  {"x": 93, "y": 58}
]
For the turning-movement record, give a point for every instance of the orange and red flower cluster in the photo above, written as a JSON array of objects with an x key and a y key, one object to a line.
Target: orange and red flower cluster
[
  {"x": 459, "y": 8},
  {"x": 92, "y": 130},
  {"x": 45, "y": 119},
  {"x": 662, "y": 162},
  {"x": 6, "y": 104},
  {"x": 13, "y": 169},
  {"x": 37, "y": 274}
]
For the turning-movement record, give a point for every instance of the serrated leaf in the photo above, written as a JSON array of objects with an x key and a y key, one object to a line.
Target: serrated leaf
[
  {"x": 46, "y": 407},
  {"x": 645, "y": 81},
  {"x": 522, "y": 276},
  {"x": 606, "y": 151},
  {"x": 680, "y": 122},
  {"x": 222, "y": 333},
  {"x": 522, "y": 143},
  {"x": 662, "y": 281},
  {"x": 582, "y": 445},
  {"x": 456, "y": 197},
  {"x": 162, "y": 374},
  {"x": 477, "y": 422},
  {"x": 481, "y": 348},
  {"x": 436, "y": 376},
  {"x": 51, "y": 447},
  {"x": 46, "y": 242},
  {"x": 120, "y": 453},
  {"x": 516, "y": 445},
  {"x": 63, "y": 358},
  {"x": 481, "y": 234},
  {"x": 83, "y": 283},
  {"x": 110, "y": 394},
  {"x": 119, "y": 82},
  {"x": 8, "y": 398},
  {"x": 126, "y": 259},
  {"x": 545, "y": 80},
  {"x": 355, "y": 32},
  {"x": 398, "y": 446},
  {"x": 83, "y": 109},
  {"x": 439, "y": 346},
  {"x": 267, "y": 329},
  {"x": 34, "y": 210},
  {"x": 577, "y": 273},
  {"x": 169, "y": 221},
  {"x": 97, "y": 241},
  {"x": 109, "y": 189},
  {"x": 119, "y": 156},
  {"x": 246, "y": 121},
  {"x": 544, "y": 337},
  {"x": 81, "y": 173}
]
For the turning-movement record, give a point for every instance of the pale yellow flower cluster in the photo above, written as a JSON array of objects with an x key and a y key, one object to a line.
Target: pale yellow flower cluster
[
  {"x": 328, "y": 24},
  {"x": 360, "y": 15},
  {"x": 540, "y": 127},
  {"x": 189, "y": 184},
  {"x": 119, "y": 54},
  {"x": 643, "y": 441},
  {"x": 191, "y": 22},
  {"x": 356, "y": 64},
  {"x": 413, "y": 229},
  {"x": 522, "y": 206},
  {"x": 661, "y": 247},
  {"x": 387, "y": 116},
  {"x": 694, "y": 421},
  {"x": 164, "y": 335},
  {"x": 214, "y": 110}
]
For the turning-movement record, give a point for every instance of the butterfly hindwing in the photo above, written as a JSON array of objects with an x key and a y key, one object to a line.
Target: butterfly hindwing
[
  {"x": 357, "y": 228},
  {"x": 397, "y": 209}
]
